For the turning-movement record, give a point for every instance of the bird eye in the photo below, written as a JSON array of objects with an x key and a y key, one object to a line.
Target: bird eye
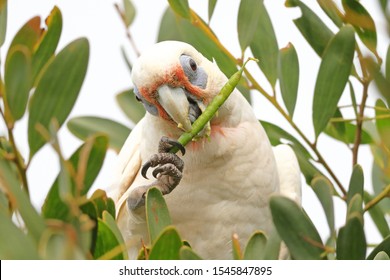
[{"x": 193, "y": 65}]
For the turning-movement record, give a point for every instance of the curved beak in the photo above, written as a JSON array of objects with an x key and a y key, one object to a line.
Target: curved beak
[{"x": 175, "y": 103}]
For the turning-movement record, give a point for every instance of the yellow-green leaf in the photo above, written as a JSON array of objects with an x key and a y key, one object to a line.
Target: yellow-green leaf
[
  {"x": 247, "y": 21},
  {"x": 211, "y": 8},
  {"x": 173, "y": 27},
  {"x": 157, "y": 214},
  {"x": 288, "y": 72},
  {"x": 28, "y": 35},
  {"x": 332, "y": 77},
  {"x": 296, "y": 229},
  {"x": 17, "y": 80},
  {"x": 333, "y": 12},
  {"x": 181, "y": 7},
  {"x": 129, "y": 12},
  {"x": 167, "y": 246},
  {"x": 57, "y": 90},
  {"x": 48, "y": 41},
  {"x": 3, "y": 21},
  {"x": 358, "y": 16},
  {"x": 264, "y": 45},
  {"x": 84, "y": 127}
]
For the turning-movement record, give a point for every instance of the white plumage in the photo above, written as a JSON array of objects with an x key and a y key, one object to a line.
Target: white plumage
[{"x": 227, "y": 180}]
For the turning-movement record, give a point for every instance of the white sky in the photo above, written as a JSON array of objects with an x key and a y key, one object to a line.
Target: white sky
[{"x": 107, "y": 75}]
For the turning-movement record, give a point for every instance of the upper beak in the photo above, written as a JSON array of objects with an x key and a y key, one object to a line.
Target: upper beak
[{"x": 175, "y": 103}]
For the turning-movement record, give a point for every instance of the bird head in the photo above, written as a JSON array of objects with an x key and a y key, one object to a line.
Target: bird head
[{"x": 175, "y": 82}]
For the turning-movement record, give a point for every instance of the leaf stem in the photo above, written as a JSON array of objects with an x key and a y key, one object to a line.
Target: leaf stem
[
  {"x": 359, "y": 120},
  {"x": 128, "y": 34},
  {"x": 16, "y": 158},
  {"x": 378, "y": 198}
]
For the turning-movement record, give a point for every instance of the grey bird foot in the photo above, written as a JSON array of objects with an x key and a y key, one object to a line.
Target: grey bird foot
[{"x": 168, "y": 172}]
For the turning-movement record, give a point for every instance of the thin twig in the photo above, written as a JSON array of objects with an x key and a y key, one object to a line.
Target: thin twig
[
  {"x": 128, "y": 34},
  {"x": 359, "y": 120},
  {"x": 16, "y": 158}
]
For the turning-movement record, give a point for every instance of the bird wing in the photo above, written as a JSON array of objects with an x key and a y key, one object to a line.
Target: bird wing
[
  {"x": 129, "y": 164},
  {"x": 289, "y": 172}
]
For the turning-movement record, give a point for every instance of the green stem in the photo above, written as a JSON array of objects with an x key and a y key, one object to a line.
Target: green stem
[
  {"x": 211, "y": 108},
  {"x": 378, "y": 198}
]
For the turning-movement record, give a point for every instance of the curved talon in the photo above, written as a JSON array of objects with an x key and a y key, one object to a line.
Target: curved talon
[
  {"x": 145, "y": 168},
  {"x": 163, "y": 147},
  {"x": 156, "y": 171},
  {"x": 179, "y": 146}
]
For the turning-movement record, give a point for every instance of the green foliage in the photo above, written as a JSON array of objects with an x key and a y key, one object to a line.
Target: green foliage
[{"x": 74, "y": 224}]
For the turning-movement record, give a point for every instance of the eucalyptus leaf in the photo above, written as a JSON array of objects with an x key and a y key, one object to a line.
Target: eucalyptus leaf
[
  {"x": 323, "y": 190},
  {"x": 264, "y": 45},
  {"x": 129, "y": 12},
  {"x": 382, "y": 256},
  {"x": 181, "y": 7},
  {"x": 186, "y": 253},
  {"x": 333, "y": 12},
  {"x": 111, "y": 223},
  {"x": 247, "y": 21},
  {"x": 3, "y": 21},
  {"x": 47, "y": 43},
  {"x": 84, "y": 127},
  {"x": 383, "y": 246},
  {"x": 18, "y": 80},
  {"x": 351, "y": 241},
  {"x": 157, "y": 215},
  {"x": 288, "y": 73},
  {"x": 255, "y": 248},
  {"x": 173, "y": 27},
  {"x": 106, "y": 242},
  {"x": 356, "y": 183},
  {"x": 167, "y": 245},
  {"x": 358, "y": 16},
  {"x": 57, "y": 90},
  {"x": 211, "y": 8},
  {"x": 28, "y": 35},
  {"x": 296, "y": 229},
  {"x": 313, "y": 29},
  {"x": 332, "y": 77}
]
